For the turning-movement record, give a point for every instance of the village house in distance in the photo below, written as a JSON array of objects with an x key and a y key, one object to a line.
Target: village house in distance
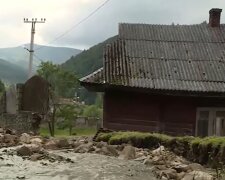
[{"x": 164, "y": 78}]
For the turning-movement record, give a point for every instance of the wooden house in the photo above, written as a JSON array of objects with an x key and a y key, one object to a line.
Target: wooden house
[{"x": 164, "y": 78}]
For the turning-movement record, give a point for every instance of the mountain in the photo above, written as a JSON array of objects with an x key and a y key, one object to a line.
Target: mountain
[
  {"x": 11, "y": 73},
  {"x": 87, "y": 61},
  {"x": 20, "y": 56}
]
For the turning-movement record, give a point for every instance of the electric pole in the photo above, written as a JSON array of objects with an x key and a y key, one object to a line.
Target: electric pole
[{"x": 31, "y": 51}]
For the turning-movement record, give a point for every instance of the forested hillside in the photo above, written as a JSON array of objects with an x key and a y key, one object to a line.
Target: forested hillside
[
  {"x": 87, "y": 61},
  {"x": 11, "y": 73}
]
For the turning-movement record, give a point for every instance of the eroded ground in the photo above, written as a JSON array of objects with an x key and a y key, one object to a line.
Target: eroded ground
[{"x": 82, "y": 167}]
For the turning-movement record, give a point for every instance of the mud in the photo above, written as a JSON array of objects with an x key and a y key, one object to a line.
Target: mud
[{"x": 82, "y": 167}]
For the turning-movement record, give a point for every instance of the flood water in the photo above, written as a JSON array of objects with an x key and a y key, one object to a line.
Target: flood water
[{"x": 85, "y": 167}]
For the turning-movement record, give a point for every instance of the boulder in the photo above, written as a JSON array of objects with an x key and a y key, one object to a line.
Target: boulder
[
  {"x": 107, "y": 150},
  {"x": 35, "y": 148},
  {"x": 51, "y": 144},
  {"x": 1, "y": 138},
  {"x": 36, "y": 157},
  {"x": 181, "y": 168},
  {"x": 36, "y": 140},
  {"x": 188, "y": 177},
  {"x": 63, "y": 143},
  {"x": 24, "y": 151},
  {"x": 83, "y": 148},
  {"x": 128, "y": 153},
  {"x": 25, "y": 138},
  {"x": 195, "y": 167},
  {"x": 1, "y": 130},
  {"x": 101, "y": 144},
  {"x": 169, "y": 174},
  {"x": 12, "y": 139},
  {"x": 9, "y": 131},
  {"x": 158, "y": 151},
  {"x": 199, "y": 175},
  {"x": 112, "y": 150}
]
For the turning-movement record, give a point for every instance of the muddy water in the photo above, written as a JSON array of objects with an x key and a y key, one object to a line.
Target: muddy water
[{"x": 85, "y": 167}]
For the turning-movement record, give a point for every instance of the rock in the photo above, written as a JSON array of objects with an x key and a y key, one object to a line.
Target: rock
[
  {"x": 9, "y": 131},
  {"x": 8, "y": 138},
  {"x": 180, "y": 175},
  {"x": 51, "y": 145},
  {"x": 181, "y": 168},
  {"x": 63, "y": 143},
  {"x": 36, "y": 140},
  {"x": 1, "y": 130},
  {"x": 101, "y": 144},
  {"x": 36, "y": 157},
  {"x": 112, "y": 150},
  {"x": 24, "y": 151},
  {"x": 25, "y": 138},
  {"x": 158, "y": 151},
  {"x": 169, "y": 173},
  {"x": 107, "y": 150},
  {"x": 1, "y": 138},
  {"x": 199, "y": 175},
  {"x": 21, "y": 177},
  {"x": 148, "y": 161},
  {"x": 76, "y": 144},
  {"x": 195, "y": 167},
  {"x": 35, "y": 148},
  {"x": 142, "y": 158},
  {"x": 188, "y": 177},
  {"x": 128, "y": 153},
  {"x": 83, "y": 148}
]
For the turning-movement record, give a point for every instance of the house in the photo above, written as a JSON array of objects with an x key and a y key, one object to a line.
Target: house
[{"x": 164, "y": 78}]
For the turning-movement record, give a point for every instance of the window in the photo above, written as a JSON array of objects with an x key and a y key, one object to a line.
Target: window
[{"x": 210, "y": 122}]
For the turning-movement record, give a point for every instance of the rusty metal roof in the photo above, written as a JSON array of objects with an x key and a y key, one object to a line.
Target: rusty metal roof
[{"x": 165, "y": 57}]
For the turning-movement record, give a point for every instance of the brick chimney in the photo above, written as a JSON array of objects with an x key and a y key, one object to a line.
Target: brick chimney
[{"x": 214, "y": 17}]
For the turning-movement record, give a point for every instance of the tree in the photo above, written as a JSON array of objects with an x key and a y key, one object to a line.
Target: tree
[
  {"x": 63, "y": 84},
  {"x": 69, "y": 113},
  {"x": 92, "y": 111}
]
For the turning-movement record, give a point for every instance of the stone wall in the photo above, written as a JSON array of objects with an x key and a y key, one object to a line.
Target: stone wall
[
  {"x": 3, "y": 103},
  {"x": 21, "y": 122},
  {"x": 21, "y": 106}
]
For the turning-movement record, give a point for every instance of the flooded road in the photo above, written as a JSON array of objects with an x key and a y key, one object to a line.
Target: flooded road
[{"x": 84, "y": 167}]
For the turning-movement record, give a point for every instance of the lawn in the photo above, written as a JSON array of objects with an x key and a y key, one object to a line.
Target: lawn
[{"x": 65, "y": 132}]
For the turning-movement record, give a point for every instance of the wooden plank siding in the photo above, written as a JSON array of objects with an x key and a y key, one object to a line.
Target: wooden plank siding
[{"x": 153, "y": 113}]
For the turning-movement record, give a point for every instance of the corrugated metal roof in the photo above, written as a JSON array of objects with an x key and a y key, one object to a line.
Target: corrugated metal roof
[{"x": 165, "y": 57}]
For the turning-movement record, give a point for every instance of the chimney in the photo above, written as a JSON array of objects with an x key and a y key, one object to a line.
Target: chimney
[{"x": 214, "y": 17}]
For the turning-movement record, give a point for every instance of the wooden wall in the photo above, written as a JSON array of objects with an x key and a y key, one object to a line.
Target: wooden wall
[{"x": 154, "y": 113}]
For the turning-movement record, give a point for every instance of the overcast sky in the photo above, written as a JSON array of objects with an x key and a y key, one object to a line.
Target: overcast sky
[{"x": 61, "y": 15}]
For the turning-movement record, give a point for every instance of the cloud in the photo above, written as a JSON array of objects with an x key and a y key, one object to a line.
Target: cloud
[{"x": 62, "y": 15}]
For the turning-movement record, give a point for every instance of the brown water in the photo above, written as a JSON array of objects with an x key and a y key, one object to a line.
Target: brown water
[{"x": 85, "y": 167}]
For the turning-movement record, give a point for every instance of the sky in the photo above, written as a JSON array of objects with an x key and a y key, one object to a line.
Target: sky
[{"x": 62, "y": 15}]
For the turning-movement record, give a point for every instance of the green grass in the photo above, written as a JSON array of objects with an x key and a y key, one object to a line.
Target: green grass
[{"x": 65, "y": 132}]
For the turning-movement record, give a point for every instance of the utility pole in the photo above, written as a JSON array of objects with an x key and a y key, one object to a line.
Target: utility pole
[{"x": 33, "y": 23}]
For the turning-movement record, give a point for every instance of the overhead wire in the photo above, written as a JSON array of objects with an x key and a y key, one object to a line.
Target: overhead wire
[{"x": 74, "y": 26}]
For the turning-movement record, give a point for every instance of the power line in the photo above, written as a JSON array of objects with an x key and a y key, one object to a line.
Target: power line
[
  {"x": 74, "y": 26},
  {"x": 38, "y": 58}
]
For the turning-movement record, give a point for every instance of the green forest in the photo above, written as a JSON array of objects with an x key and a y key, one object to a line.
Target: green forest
[{"x": 85, "y": 63}]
